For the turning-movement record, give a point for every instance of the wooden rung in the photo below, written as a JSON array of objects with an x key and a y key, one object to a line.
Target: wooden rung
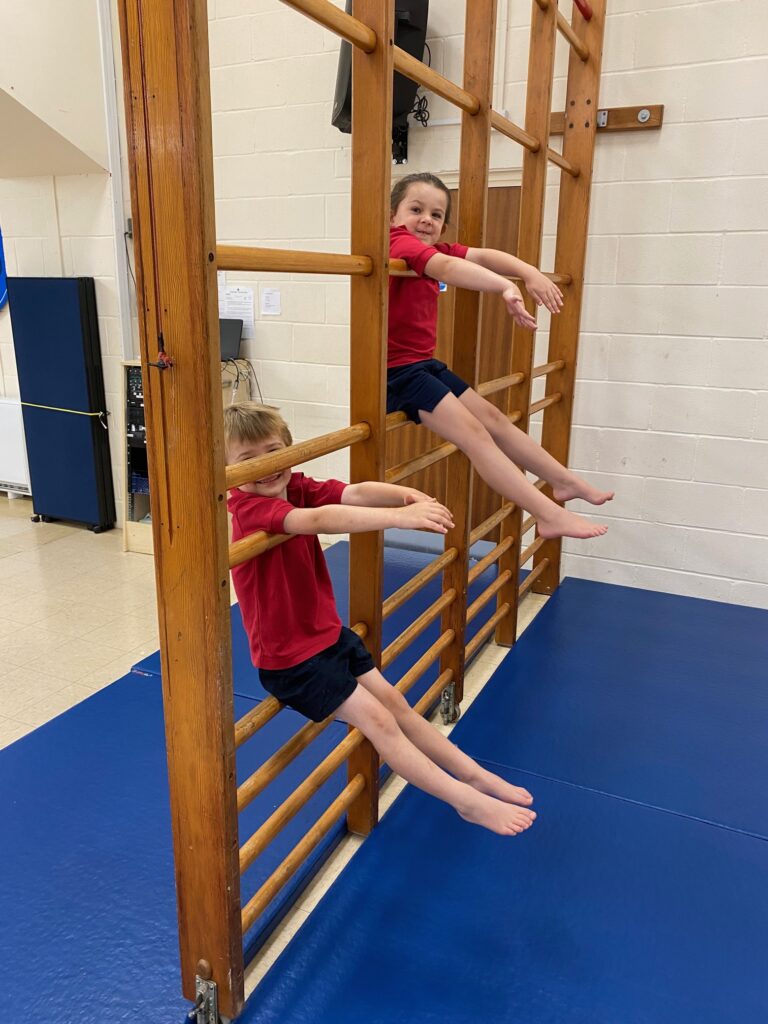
[
  {"x": 545, "y": 368},
  {"x": 527, "y": 525},
  {"x": 488, "y": 524},
  {"x": 399, "y": 268},
  {"x": 405, "y": 469},
  {"x": 419, "y": 72},
  {"x": 543, "y": 403},
  {"x": 361, "y": 629},
  {"x": 291, "y": 261},
  {"x": 295, "y": 454},
  {"x": 396, "y": 419},
  {"x": 250, "y": 724},
  {"x": 492, "y": 556},
  {"x": 568, "y": 33},
  {"x": 556, "y": 158},
  {"x": 278, "y": 762},
  {"x": 417, "y": 627},
  {"x": 264, "y": 896},
  {"x": 482, "y": 634},
  {"x": 531, "y": 578},
  {"x": 490, "y": 387},
  {"x": 531, "y": 550},
  {"x": 514, "y": 132},
  {"x": 433, "y": 693},
  {"x": 416, "y": 671},
  {"x": 344, "y": 25},
  {"x": 480, "y": 602},
  {"x": 277, "y": 821},
  {"x": 254, "y": 544},
  {"x": 417, "y": 582}
]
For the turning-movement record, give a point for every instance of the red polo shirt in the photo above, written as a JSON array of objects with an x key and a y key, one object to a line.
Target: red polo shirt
[
  {"x": 412, "y": 333},
  {"x": 285, "y": 594}
]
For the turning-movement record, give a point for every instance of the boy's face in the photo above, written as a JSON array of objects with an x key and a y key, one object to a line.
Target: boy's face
[
  {"x": 273, "y": 486},
  {"x": 422, "y": 211}
]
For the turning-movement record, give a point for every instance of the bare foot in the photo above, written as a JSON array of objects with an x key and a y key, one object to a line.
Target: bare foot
[
  {"x": 578, "y": 488},
  {"x": 486, "y": 782},
  {"x": 496, "y": 815},
  {"x": 561, "y": 523}
]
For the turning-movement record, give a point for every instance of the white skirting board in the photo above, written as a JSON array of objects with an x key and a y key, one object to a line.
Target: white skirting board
[{"x": 14, "y": 472}]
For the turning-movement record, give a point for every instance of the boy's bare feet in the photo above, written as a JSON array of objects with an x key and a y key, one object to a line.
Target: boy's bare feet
[
  {"x": 496, "y": 815},
  {"x": 578, "y": 488},
  {"x": 493, "y": 785},
  {"x": 559, "y": 522}
]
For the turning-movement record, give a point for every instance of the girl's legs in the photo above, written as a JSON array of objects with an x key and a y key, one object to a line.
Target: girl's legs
[
  {"x": 363, "y": 710},
  {"x": 454, "y": 422},
  {"x": 437, "y": 747},
  {"x": 522, "y": 449}
]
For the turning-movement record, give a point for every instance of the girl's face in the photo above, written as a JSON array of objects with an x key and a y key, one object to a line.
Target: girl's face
[{"x": 422, "y": 212}]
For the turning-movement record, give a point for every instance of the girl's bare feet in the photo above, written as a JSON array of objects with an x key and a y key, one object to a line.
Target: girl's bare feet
[
  {"x": 578, "y": 488},
  {"x": 558, "y": 522},
  {"x": 495, "y": 815}
]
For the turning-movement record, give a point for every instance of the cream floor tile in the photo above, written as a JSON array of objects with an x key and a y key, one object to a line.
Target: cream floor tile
[
  {"x": 31, "y": 608},
  {"x": 11, "y": 730},
  {"x": 125, "y": 633},
  {"x": 79, "y": 620},
  {"x": 27, "y": 644},
  {"x": 54, "y": 704},
  {"x": 74, "y": 659},
  {"x": 107, "y": 674},
  {"x": 272, "y": 948},
  {"x": 20, "y": 688}
]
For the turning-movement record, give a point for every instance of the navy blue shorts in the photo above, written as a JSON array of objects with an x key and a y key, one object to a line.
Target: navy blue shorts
[
  {"x": 317, "y": 687},
  {"x": 421, "y": 386}
]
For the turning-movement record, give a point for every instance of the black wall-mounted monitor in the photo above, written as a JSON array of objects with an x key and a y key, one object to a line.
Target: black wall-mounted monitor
[
  {"x": 410, "y": 35},
  {"x": 231, "y": 332}
]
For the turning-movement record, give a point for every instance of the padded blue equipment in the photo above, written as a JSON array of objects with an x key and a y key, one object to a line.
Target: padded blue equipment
[
  {"x": 88, "y": 923},
  {"x": 657, "y": 698},
  {"x": 604, "y": 912}
]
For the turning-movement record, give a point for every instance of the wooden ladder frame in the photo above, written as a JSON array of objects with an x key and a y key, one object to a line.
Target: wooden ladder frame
[{"x": 168, "y": 116}]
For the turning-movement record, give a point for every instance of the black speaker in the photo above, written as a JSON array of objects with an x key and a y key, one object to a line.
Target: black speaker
[{"x": 410, "y": 35}]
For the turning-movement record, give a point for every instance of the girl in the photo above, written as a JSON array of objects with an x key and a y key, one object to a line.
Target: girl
[{"x": 429, "y": 393}]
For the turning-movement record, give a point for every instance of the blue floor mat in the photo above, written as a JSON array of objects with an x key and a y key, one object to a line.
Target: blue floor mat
[{"x": 653, "y": 697}]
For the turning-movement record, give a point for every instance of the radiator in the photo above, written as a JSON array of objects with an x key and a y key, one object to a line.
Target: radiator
[{"x": 14, "y": 474}]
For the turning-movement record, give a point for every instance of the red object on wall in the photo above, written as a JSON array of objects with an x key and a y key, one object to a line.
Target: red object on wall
[{"x": 585, "y": 8}]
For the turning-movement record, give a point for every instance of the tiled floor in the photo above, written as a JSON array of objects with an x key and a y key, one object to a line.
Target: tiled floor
[{"x": 76, "y": 612}]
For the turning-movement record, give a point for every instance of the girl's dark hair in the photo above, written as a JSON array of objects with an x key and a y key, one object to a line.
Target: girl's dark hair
[{"x": 400, "y": 189}]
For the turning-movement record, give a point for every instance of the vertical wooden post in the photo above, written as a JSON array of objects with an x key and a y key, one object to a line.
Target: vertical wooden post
[
  {"x": 479, "y": 47},
  {"x": 541, "y": 64},
  {"x": 570, "y": 255},
  {"x": 371, "y": 163},
  {"x": 168, "y": 109}
]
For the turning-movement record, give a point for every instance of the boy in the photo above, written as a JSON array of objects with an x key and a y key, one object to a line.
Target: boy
[{"x": 307, "y": 659}]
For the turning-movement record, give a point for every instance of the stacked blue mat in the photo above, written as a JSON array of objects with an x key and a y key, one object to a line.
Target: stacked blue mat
[{"x": 88, "y": 923}]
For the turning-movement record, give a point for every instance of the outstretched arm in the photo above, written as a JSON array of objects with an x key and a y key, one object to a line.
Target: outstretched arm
[
  {"x": 379, "y": 495},
  {"x": 539, "y": 287},
  {"x": 420, "y": 515},
  {"x": 466, "y": 274}
]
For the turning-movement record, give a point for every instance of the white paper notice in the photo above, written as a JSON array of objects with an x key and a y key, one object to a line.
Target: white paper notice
[
  {"x": 238, "y": 305},
  {"x": 221, "y": 279},
  {"x": 270, "y": 302}
]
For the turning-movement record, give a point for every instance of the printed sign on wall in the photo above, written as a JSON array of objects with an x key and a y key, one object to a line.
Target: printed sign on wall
[{"x": 3, "y": 279}]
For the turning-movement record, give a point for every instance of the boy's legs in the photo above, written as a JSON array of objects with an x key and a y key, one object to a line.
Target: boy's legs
[
  {"x": 454, "y": 422},
  {"x": 363, "y": 710},
  {"x": 438, "y": 747},
  {"x": 522, "y": 449}
]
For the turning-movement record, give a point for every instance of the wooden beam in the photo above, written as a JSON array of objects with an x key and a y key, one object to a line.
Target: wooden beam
[
  {"x": 541, "y": 62},
  {"x": 582, "y": 98},
  {"x": 618, "y": 119},
  {"x": 372, "y": 76},
  {"x": 168, "y": 118}
]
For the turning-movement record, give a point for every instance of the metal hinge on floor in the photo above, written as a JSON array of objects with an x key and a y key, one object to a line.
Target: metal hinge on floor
[
  {"x": 206, "y": 1008},
  {"x": 449, "y": 709}
]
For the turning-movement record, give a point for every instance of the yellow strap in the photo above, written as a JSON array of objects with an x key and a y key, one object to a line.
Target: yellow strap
[{"x": 55, "y": 408}]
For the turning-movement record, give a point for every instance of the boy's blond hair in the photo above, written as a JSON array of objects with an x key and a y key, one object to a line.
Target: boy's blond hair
[{"x": 251, "y": 421}]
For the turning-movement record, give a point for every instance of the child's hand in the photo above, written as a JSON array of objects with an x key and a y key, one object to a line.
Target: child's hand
[
  {"x": 424, "y": 515},
  {"x": 413, "y": 496},
  {"x": 513, "y": 300},
  {"x": 545, "y": 292}
]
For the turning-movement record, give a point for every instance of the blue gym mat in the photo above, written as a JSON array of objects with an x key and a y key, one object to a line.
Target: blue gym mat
[{"x": 657, "y": 698}]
